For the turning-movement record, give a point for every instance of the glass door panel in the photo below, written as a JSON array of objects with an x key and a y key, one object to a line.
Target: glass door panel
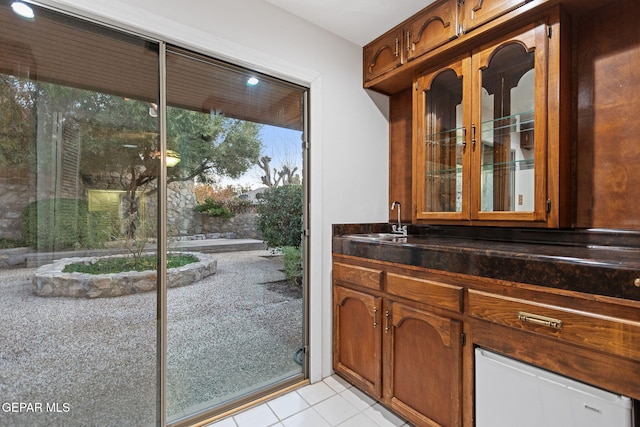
[
  {"x": 443, "y": 145},
  {"x": 507, "y": 180},
  {"x": 235, "y": 331},
  {"x": 78, "y": 144}
]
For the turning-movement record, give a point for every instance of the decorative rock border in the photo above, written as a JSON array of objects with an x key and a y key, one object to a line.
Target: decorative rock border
[{"x": 50, "y": 281}]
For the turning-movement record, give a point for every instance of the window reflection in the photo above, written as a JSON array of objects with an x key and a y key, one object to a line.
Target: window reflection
[{"x": 507, "y": 182}]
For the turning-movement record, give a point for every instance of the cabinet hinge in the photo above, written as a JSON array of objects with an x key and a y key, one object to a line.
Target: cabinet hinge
[
  {"x": 460, "y": 3},
  {"x": 548, "y": 206},
  {"x": 549, "y": 31},
  {"x": 463, "y": 339},
  {"x": 416, "y": 86}
]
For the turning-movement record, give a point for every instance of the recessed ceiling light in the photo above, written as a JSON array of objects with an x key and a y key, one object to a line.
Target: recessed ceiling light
[
  {"x": 252, "y": 81},
  {"x": 22, "y": 9}
]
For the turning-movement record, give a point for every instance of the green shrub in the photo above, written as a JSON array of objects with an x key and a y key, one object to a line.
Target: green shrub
[
  {"x": 122, "y": 264},
  {"x": 226, "y": 208},
  {"x": 10, "y": 243},
  {"x": 57, "y": 224},
  {"x": 292, "y": 256},
  {"x": 280, "y": 216}
]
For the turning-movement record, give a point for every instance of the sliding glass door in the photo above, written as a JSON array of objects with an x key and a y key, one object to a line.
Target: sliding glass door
[
  {"x": 151, "y": 245},
  {"x": 77, "y": 141},
  {"x": 236, "y": 137}
]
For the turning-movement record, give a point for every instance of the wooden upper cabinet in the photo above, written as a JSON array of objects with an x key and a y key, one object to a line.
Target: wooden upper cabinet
[
  {"x": 430, "y": 28},
  {"x": 490, "y": 142},
  {"x": 383, "y": 54},
  {"x": 474, "y": 13}
]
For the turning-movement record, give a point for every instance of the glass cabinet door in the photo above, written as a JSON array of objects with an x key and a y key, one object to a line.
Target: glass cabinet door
[
  {"x": 509, "y": 108},
  {"x": 441, "y": 144}
]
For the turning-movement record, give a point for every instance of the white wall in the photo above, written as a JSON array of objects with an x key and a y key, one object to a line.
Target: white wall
[{"x": 348, "y": 127}]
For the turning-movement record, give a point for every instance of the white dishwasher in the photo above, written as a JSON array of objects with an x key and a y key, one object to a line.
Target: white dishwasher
[{"x": 510, "y": 393}]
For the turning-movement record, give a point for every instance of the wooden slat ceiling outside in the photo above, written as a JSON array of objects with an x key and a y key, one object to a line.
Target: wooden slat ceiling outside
[
  {"x": 63, "y": 50},
  {"x": 197, "y": 83}
]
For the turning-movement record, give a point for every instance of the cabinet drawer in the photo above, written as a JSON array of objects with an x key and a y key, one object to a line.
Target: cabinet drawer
[
  {"x": 608, "y": 334},
  {"x": 426, "y": 291},
  {"x": 355, "y": 275}
]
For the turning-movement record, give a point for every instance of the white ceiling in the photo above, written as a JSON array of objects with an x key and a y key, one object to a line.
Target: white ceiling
[{"x": 359, "y": 21}]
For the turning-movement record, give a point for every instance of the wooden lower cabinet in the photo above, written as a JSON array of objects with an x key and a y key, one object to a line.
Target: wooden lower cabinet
[
  {"x": 357, "y": 339},
  {"x": 404, "y": 355},
  {"x": 406, "y": 336},
  {"x": 422, "y": 365}
]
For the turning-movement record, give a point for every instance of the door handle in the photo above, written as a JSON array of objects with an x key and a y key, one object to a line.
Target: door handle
[
  {"x": 375, "y": 317},
  {"x": 473, "y": 135},
  {"x": 387, "y": 326}
]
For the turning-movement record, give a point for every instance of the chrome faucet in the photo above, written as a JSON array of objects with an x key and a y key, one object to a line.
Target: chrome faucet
[{"x": 398, "y": 228}]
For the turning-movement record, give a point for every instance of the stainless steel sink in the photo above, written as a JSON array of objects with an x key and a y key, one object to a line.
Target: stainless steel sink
[{"x": 378, "y": 237}]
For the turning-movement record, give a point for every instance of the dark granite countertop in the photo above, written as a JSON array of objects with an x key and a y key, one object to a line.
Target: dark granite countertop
[{"x": 594, "y": 262}]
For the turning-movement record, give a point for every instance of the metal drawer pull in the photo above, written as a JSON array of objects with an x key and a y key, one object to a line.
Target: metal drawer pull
[{"x": 540, "y": 320}]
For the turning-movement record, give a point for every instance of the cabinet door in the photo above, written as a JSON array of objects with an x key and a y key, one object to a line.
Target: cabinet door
[
  {"x": 430, "y": 28},
  {"x": 383, "y": 55},
  {"x": 509, "y": 128},
  {"x": 422, "y": 365},
  {"x": 441, "y": 175},
  {"x": 474, "y": 13},
  {"x": 357, "y": 339}
]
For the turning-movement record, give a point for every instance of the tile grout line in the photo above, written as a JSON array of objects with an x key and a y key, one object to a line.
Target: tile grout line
[{"x": 331, "y": 384}]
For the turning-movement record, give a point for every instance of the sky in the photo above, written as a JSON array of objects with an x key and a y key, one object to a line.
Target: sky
[{"x": 284, "y": 146}]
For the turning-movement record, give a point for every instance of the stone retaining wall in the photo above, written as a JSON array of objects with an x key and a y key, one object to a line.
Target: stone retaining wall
[
  {"x": 183, "y": 220},
  {"x": 15, "y": 194},
  {"x": 241, "y": 226},
  {"x": 50, "y": 281}
]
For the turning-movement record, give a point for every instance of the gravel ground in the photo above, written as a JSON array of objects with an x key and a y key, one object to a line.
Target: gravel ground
[{"x": 77, "y": 362}]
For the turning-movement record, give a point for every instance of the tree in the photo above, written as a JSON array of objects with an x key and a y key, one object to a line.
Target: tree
[
  {"x": 120, "y": 141},
  {"x": 208, "y": 145},
  {"x": 16, "y": 124},
  {"x": 285, "y": 176}
]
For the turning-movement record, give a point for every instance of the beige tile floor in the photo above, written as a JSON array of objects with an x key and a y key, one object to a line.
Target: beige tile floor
[{"x": 329, "y": 403}]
